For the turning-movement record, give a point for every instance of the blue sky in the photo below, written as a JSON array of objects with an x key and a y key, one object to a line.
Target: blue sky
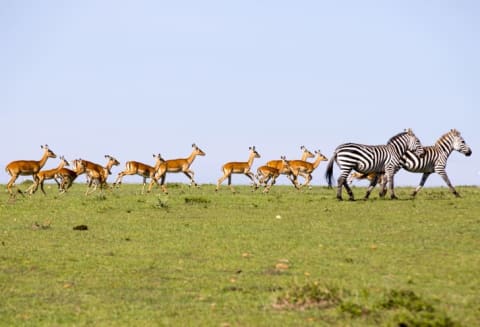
[{"x": 133, "y": 78}]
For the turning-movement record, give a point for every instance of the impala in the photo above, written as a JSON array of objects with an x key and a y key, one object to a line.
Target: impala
[
  {"x": 98, "y": 174},
  {"x": 141, "y": 169},
  {"x": 278, "y": 164},
  {"x": 68, "y": 176},
  {"x": 46, "y": 175},
  {"x": 27, "y": 167},
  {"x": 356, "y": 175},
  {"x": 267, "y": 173},
  {"x": 181, "y": 165},
  {"x": 238, "y": 168},
  {"x": 305, "y": 168}
]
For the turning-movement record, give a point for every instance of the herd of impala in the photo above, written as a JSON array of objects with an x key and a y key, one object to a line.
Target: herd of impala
[{"x": 97, "y": 174}]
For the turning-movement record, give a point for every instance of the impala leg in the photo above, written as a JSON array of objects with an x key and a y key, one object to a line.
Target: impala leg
[
  {"x": 230, "y": 183},
  {"x": 11, "y": 183},
  {"x": 250, "y": 175},
  {"x": 190, "y": 174}
]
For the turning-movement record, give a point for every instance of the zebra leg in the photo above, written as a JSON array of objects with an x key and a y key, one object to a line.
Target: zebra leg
[
  {"x": 348, "y": 189},
  {"x": 372, "y": 185},
  {"x": 342, "y": 181},
  {"x": 383, "y": 186},
  {"x": 422, "y": 182},
  {"x": 445, "y": 178},
  {"x": 392, "y": 188}
]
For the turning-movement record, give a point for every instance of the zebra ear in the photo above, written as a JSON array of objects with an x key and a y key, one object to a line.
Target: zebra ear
[
  {"x": 454, "y": 131},
  {"x": 409, "y": 131}
]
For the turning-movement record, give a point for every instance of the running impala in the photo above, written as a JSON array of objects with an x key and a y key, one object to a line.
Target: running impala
[
  {"x": 141, "y": 169},
  {"x": 27, "y": 168},
  {"x": 305, "y": 168},
  {"x": 278, "y": 164},
  {"x": 181, "y": 165},
  {"x": 239, "y": 168},
  {"x": 267, "y": 173},
  {"x": 98, "y": 174},
  {"x": 44, "y": 175},
  {"x": 68, "y": 176}
]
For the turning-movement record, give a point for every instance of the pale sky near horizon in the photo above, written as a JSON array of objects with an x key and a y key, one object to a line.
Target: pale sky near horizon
[{"x": 133, "y": 78}]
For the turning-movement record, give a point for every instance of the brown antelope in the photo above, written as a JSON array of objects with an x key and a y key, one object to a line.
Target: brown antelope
[
  {"x": 181, "y": 165},
  {"x": 138, "y": 168},
  {"x": 68, "y": 176},
  {"x": 46, "y": 175},
  {"x": 267, "y": 173},
  {"x": 239, "y": 168},
  {"x": 98, "y": 174},
  {"x": 278, "y": 164},
  {"x": 27, "y": 167},
  {"x": 356, "y": 175},
  {"x": 305, "y": 168}
]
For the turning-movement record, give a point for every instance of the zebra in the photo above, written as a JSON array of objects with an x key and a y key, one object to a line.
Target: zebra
[
  {"x": 372, "y": 158},
  {"x": 435, "y": 159}
]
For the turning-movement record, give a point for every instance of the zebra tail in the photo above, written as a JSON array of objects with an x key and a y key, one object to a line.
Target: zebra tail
[{"x": 329, "y": 172}]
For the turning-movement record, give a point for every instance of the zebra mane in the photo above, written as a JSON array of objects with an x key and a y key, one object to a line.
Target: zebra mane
[
  {"x": 447, "y": 136},
  {"x": 396, "y": 137}
]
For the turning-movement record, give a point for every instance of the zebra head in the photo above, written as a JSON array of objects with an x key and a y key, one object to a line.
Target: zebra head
[
  {"x": 458, "y": 143},
  {"x": 414, "y": 144}
]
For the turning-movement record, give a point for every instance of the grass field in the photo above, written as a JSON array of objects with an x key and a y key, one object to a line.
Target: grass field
[{"x": 200, "y": 258}]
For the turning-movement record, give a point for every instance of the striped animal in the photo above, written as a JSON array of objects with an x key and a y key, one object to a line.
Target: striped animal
[
  {"x": 435, "y": 158},
  {"x": 372, "y": 158}
]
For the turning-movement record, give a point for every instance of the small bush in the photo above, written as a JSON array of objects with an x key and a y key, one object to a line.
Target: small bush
[
  {"x": 424, "y": 319},
  {"x": 311, "y": 295},
  {"x": 353, "y": 309},
  {"x": 405, "y": 299},
  {"x": 196, "y": 200}
]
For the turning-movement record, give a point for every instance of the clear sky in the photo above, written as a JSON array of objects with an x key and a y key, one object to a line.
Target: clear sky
[{"x": 133, "y": 78}]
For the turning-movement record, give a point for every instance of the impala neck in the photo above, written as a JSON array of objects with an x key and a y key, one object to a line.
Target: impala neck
[
  {"x": 250, "y": 159},
  {"x": 191, "y": 157},
  {"x": 44, "y": 159},
  {"x": 61, "y": 164},
  {"x": 318, "y": 160}
]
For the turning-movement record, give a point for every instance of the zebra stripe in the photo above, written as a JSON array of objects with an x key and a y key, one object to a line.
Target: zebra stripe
[
  {"x": 372, "y": 159},
  {"x": 435, "y": 158}
]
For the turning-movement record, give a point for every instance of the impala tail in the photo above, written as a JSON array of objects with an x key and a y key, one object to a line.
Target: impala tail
[{"x": 329, "y": 171}]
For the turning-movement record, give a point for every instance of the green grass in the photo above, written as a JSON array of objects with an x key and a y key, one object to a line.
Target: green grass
[{"x": 200, "y": 258}]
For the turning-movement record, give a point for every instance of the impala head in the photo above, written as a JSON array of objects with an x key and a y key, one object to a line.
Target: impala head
[
  {"x": 62, "y": 158},
  {"x": 285, "y": 162},
  {"x": 158, "y": 157},
  {"x": 79, "y": 166},
  {"x": 49, "y": 152},
  {"x": 306, "y": 152},
  {"x": 252, "y": 150},
  {"x": 111, "y": 160},
  {"x": 197, "y": 150},
  {"x": 414, "y": 143},
  {"x": 320, "y": 155},
  {"x": 459, "y": 143}
]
